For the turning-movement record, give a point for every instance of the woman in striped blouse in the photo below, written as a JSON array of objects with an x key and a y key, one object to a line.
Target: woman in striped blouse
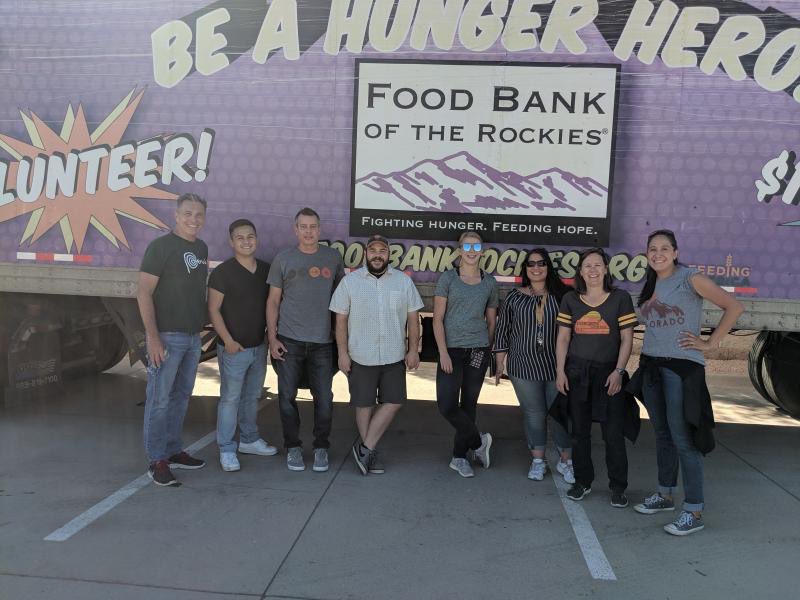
[{"x": 525, "y": 344}]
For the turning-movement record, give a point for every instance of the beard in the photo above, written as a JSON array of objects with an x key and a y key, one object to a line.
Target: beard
[{"x": 381, "y": 268}]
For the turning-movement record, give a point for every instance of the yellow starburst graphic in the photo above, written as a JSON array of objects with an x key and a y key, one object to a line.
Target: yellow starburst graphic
[{"x": 75, "y": 214}]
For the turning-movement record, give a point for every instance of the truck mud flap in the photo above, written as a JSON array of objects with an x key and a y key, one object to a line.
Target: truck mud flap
[
  {"x": 125, "y": 313},
  {"x": 34, "y": 364}
]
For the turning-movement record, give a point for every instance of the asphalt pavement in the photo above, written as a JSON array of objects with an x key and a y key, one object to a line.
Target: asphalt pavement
[{"x": 78, "y": 519}]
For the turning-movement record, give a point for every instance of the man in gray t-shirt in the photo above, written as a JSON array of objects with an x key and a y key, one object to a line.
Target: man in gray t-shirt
[{"x": 302, "y": 280}]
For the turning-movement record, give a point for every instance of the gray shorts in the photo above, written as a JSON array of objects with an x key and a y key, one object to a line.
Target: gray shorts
[{"x": 367, "y": 381}]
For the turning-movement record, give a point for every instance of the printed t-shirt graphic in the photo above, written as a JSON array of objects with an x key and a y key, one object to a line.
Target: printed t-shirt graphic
[
  {"x": 592, "y": 323},
  {"x": 307, "y": 282},
  {"x": 673, "y": 308},
  {"x": 180, "y": 295},
  {"x": 596, "y": 329}
]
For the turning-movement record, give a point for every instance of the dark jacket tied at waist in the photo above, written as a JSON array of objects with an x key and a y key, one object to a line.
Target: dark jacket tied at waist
[
  {"x": 697, "y": 410},
  {"x": 587, "y": 378}
]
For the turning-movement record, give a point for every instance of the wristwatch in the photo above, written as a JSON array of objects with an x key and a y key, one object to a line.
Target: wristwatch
[{"x": 620, "y": 371}]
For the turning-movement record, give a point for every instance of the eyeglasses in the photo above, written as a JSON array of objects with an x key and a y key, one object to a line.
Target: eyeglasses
[
  {"x": 536, "y": 263},
  {"x": 466, "y": 246}
]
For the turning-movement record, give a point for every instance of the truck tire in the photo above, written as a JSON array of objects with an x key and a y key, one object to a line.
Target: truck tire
[
  {"x": 112, "y": 349},
  {"x": 93, "y": 350},
  {"x": 780, "y": 379},
  {"x": 208, "y": 345},
  {"x": 755, "y": 361}
]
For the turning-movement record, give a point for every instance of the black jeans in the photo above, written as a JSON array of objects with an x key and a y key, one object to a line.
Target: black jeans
[
  {"x": 585, "y": 386},
  {"x": 465, "y": 381},
  {"x": 317, "y": 361}
]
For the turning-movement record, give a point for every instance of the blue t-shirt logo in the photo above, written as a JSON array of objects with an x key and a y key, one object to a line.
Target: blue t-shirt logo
[{"x": 191, "y": 261}]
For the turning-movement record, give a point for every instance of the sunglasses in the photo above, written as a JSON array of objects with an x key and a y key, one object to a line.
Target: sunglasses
[
  {"x": 466, "y": 246},
  {"x": 536, "y": 263}
]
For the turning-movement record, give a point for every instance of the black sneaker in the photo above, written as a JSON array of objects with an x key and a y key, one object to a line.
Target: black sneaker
[
  {"x": 619, "y": 499},
  {"x": 160, "y": 474},
  {"x": 361, "y": 457},
  {"x": 183, "y": 460},
  {"x": 376, "y": 466},
  {"x": 578, "y": 492}
]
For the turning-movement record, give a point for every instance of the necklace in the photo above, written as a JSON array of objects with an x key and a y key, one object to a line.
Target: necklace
[{"x": 540, "y": 300}]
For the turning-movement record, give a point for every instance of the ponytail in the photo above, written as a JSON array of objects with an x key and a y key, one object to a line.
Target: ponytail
[{"x": 649, "y": 286}]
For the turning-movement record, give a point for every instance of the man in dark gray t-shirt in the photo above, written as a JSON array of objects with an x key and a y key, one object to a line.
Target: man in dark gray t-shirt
[{"x": 302, "y": 280}]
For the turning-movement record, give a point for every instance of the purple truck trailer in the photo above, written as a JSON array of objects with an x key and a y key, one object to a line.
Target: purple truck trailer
[{"x": 565, "y": 123}]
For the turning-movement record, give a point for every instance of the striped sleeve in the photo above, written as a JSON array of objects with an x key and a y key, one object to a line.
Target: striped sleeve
[
  {"x": 627, "y": 317},
  {"x": 564, "y": 317},
  {"x": 504, "y": 318}
]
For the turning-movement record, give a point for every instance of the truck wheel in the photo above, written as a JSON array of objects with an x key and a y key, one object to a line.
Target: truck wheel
[
  {"x": 208, "y": 345},
  {"x": 781, "y": 379},
  {"x": 112, "y": 347},
  {"x": 755, "y": 361}
]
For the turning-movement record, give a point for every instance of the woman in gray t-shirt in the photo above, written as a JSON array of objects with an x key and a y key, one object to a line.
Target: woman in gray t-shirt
[
  {"x": 672, "y": 375},
  {"x": 464, "y": 314}
]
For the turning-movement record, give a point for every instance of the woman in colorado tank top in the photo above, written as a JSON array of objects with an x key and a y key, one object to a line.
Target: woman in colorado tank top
[{"x": 671, "y": 376}]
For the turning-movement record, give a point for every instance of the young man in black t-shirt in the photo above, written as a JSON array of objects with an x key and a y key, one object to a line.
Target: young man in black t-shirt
[{"x": 237, "y": 304}]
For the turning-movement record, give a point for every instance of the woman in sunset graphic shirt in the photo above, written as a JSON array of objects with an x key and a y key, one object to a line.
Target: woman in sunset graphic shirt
[
  {"x": 671, "y": 376},
  {"x": 594, "y": 342}
]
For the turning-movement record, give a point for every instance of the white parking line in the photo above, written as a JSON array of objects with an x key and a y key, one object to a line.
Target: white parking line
[
  {"x": 596, "y": 561},
  {"x": 88, "y": 517}
]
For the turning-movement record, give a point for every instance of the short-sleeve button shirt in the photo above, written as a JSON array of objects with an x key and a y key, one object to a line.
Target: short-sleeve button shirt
[{"x": 377, "y": 309}]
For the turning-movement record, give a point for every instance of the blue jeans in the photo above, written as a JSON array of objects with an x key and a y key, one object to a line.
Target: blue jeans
[
  {"x": 674, "y": 446},
  {"x": 317, "y": 360},
  {"x": 535, "y": 398},
  {"x": 241, "y": 381},
  {"x": 168, "y": 390}
]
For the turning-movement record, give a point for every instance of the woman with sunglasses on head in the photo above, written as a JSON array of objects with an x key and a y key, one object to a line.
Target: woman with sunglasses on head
[
  {"x": 464, "y": 314},
  {"x": 525, "y": 344},
  {"x": 671, "y": 376},
  {"x": 595, "y": 338}
]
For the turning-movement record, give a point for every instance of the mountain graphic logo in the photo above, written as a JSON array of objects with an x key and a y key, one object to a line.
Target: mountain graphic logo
[
  {"x": 655, "y": 308},
  {"x": 461, "y": 183},
  {"x": 592, "y": 323}
]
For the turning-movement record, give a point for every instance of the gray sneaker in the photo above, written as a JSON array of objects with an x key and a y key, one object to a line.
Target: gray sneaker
[
  {"x": 653, "y": 504},
  {"x": 320, "y": 460},
  {"x": 375, "y": 464},
  {"x": 567, "y": 471},
  {"x": 686, "y": 524},
  {"x": 482, "y": 453},
  {"x": 294, "y": 459},
  {"x": 462, "y": 467},
  {"x": 537, "y": 470}
]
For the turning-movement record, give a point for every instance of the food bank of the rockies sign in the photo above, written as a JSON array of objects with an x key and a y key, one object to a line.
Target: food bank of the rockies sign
[{"x": 512, "y": 151}]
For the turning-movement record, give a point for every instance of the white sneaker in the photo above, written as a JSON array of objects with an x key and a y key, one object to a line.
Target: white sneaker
[
  {"x": 537, "y": 470},
  {"x": 566, "y": 470},
  {"x": 228, "y": 461},
  {"x": 259, "y": 447},
  {"x": 482, "y": 454},
  {"x": 462, "y": 467}
]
